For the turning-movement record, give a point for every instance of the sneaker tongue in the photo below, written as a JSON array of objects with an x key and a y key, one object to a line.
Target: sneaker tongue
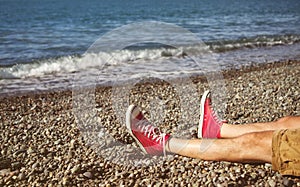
[{"x": 140, "y": 116}]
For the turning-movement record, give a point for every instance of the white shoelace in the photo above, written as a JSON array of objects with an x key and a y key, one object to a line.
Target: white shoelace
[
  {"x": 214, "y": 115},
  {"x": 148, "y": 129}
]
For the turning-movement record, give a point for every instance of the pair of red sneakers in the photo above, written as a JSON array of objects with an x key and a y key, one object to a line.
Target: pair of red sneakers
[{"x": 150, "y": 138}]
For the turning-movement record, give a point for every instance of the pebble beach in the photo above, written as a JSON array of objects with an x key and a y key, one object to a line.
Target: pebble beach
[{"x": 41, "y": 143}]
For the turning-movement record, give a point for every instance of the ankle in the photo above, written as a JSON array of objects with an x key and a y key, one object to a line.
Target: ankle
[{"x": 168, "y": 145}]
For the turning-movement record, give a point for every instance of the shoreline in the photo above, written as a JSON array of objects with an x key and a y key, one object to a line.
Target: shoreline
[
  {"x": 226, "y": 73},
  {"x": 43, "y": 144}
]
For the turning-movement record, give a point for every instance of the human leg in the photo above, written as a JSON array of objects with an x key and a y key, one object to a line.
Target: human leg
[
  {"x": 229, "y": 131},
  {"x": 212, "y": 127},
  {"x": 251, "y": 147},
  {"x": 240, "y": 149},
  {"x": 281, "y": 147}
]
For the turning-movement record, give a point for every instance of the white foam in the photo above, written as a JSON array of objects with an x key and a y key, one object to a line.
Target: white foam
[
  {"x": 40, "y": 68},
  {"x": 116, "y": 66},
  {"x": 259, "y": 41},
  {"x": 71, "y": 64}
]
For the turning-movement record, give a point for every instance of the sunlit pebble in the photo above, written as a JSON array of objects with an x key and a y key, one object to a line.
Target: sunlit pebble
[{"x": 54, "y": 153}]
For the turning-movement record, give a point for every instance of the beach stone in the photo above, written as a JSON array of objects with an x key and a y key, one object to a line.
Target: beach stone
[
  {"x": 57, "y": 142},
  {"x": 30, "y": 150},
  {"x": 5, "y": 163},
  {"x": 272, "y": 183},
  {"x": 44, "y": 151},
  {"x": 72, "y": 143},
  {"x": 75, "y": 169},
  {"x": 253, "y": 175},
  {"x": 65, "y": 181},
  {"x": 287, "y": 182},
  {"x": 16, "y": 165},
  {"x": 4, "y": 172},
  {"x": 35, "y": 165},
  {"x": 21, "y": 176},
  {"x": 69, "y": 161},
  {"x": 88, "y": 174}
]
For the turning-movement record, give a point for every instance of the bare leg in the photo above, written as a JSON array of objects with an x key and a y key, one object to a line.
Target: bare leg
[
  {"x": 251, "y": 147},
  {"x": 230, "y": 131}
]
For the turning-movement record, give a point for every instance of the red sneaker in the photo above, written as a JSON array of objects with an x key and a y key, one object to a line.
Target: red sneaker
[
  {"x": 150, "y": 139},
  {"x": 209, "y": 124}
]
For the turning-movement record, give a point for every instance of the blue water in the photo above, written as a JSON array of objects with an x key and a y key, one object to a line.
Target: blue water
[{"x": 37, "y": 35}]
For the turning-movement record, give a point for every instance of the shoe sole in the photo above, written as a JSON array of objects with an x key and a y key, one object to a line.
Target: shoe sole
[
  {"x": 203, "y": 98},
  {"x": 128, "y": 125}
]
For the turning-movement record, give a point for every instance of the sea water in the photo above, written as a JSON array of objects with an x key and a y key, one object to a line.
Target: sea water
[{"x": 42, "y": 42}]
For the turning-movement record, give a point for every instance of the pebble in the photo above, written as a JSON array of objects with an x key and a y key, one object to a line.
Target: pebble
[
  {"x": 5, "y": 163},
  {"x": 44, "y": 151},
  {"x": 253, "y": 175},
  {"x": 287, "y": 182},
  {"x": 46, "y": 146},
  {"x": 75, "y": 169},
  {"x": 16, "y": 165},
  {"x": 21, "y": 176},
  {"x": 88, "y": 174},
  {"x": 272, "y": 183},
  {"x": 30, "y": 150},
  {"x": 4, "y": 172}
]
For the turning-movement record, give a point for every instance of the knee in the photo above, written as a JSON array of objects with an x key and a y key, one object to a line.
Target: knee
[
  {"x": 246, "y": 142},
  {"x": 252, "y": 143}
]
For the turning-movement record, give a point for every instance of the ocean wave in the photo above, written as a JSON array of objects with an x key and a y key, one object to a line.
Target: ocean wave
[
  {"x": 71, "y": 64},
  {"x": 254, "y": 42},
  {"x": 39, "y": 68},
  {"x": 102, "y": 60}
]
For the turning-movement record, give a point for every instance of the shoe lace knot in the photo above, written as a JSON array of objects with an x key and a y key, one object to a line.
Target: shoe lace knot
[{"x": 152, "y": 133}]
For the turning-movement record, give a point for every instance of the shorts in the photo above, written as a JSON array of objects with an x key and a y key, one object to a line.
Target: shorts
[{"x": 286, "y": 152}]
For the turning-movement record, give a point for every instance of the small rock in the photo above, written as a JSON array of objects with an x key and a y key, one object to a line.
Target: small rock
[
  {"x": 237, "y": 169},
  {"x": 44, "y": 151},
  {"x": 5, "y": 163},
  {"x": 75, "y": 169},
  {"x": 21, "y": 176},
  {"x": 65, "y": 181},
  {"x": 72, "y": 144},
  {"x": 4, "y": 172},
  {"x": 57, "y": 142},
  {"x": 88, "y": 174},
  {"x": 272, "y": 183},
  {"x": 182, "y": 169},
  {"x": 253, "y": 175},
  {"x": 30, "y": 150},
  {"x": 16, "y": 165},
  {"x": 35, "y": 165},
  {"x": 287, "y": 182}
]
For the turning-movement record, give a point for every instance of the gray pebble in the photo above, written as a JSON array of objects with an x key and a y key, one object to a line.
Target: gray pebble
[
  {"x": 88, "y": 174},
  {"x": 272, "y": 183},
  {"x": 287, "y": 182},
  {"x": 21, "y": 176},
  {"x": 51, "y": 137},
  {"x": 75, "y": 169},
  {"x": 5, "y": 163}
]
